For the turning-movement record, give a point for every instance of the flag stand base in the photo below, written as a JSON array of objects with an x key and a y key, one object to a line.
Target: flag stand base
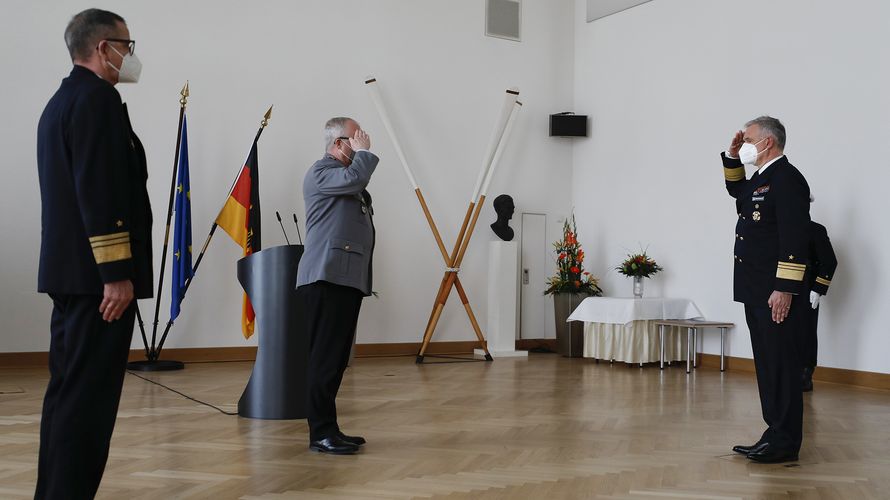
[{"x": 160, "y": 365}]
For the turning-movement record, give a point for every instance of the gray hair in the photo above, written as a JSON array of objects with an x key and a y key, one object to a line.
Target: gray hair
[
  {"x": 770, "y": 126},
  {"x": 333, "y": 130},
  {"x": 87, "y": 29}
]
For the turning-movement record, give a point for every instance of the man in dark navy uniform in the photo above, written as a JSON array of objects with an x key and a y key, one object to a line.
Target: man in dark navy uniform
[
  {"x": 95, "y": 253},
  {"x": 820, "y": 272},
  {"x": 771, "y": 248}
]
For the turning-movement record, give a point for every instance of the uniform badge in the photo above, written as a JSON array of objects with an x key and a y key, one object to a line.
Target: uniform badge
[
  {"x": 761, "y": 190},
  {"x": 757, "y": 198},
  {"x": 755, "y": 216}
]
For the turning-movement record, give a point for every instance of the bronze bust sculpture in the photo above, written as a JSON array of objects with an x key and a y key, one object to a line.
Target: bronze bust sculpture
[{"x": 503, "y": 206}]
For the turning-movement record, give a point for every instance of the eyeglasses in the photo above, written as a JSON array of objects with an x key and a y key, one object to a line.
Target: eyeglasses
[
  {"x": 343, "y": 138},
  {"x": 131, "y": 44}
]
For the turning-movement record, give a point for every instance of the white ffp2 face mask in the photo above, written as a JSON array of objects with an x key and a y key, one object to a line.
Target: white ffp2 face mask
[
  {"x": 350, "y": 155},
  {"x": 748, "y": 152},
  {"x": 131, "y": 67}
]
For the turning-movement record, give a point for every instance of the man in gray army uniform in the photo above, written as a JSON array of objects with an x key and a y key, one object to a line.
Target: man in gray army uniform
[{"x": 335, "y": 272}]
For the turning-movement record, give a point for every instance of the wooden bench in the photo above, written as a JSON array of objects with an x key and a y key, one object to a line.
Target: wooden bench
[{"x": 692, "y": 326}]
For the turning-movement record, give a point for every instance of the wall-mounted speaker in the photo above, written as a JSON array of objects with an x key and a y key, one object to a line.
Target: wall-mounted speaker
[
  {"x": 503, "y": 19},
  {"x": 568, "y": 125}
]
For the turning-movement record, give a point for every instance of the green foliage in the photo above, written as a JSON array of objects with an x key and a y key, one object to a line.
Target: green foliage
[
  {"x": 639, "y": 264},
  {"x": 570, "y": 276}
]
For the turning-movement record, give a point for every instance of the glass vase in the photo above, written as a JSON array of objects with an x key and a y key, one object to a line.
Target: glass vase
[{"x": 638, "y": 287}]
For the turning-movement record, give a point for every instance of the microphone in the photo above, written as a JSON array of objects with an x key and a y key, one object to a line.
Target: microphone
[
  {"x": 298, "y": 229},
  {"x": 282, "y": 227}
]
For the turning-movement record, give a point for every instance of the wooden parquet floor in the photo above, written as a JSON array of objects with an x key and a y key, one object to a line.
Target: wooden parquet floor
[{"x": 545, "y": 427}]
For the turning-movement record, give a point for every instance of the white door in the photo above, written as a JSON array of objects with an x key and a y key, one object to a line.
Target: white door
[{"x": 533, "y": 270}]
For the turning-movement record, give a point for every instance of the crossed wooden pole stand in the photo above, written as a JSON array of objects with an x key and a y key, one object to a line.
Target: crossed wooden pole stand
[{"x": 453, "y": 260}]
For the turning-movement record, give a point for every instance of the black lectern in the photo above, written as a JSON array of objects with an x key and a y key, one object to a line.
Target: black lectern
[{"x": 277, "y": 386}]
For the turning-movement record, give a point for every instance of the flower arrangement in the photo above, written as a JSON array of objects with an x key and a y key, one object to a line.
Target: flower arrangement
[
  {"x": 639, "y": 265},
  {"x": 571, "y": 276}
]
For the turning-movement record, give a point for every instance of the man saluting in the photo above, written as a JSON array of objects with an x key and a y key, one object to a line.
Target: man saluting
[
  {"x": 770, "y": 262},
  {"x": 335, "y": 272}
]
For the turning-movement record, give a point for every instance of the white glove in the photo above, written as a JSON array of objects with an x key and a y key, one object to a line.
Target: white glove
[{"x": 814, "y": 299}]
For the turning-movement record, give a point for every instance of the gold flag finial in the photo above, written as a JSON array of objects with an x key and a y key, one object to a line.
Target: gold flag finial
[
  {"x": 185, "y": 94},
  {"x": 266, "y": 117}
]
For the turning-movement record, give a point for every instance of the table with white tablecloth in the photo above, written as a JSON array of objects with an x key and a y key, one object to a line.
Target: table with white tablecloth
[{"x": 622, "y": 329}]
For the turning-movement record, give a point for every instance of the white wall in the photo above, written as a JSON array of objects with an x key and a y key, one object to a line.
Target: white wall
[
  {"x": 667, "y": 84},
  {"x": 441, "y": 78}
]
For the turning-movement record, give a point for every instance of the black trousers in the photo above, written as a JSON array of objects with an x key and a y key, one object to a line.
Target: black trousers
[
  {"x": 809, "y": 341},
  {"x": 331, "y": 313},
  {"x": 778, "y": 365},
  {"x": 87, "y": 364}
]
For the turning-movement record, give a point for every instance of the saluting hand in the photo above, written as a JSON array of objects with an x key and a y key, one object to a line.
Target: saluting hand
[
  {"x": 780, "y": 303},
  {"x": 361, "y": 140},
  {"x": 117, "y": 297},
  {"x": 736, "y": 144}
]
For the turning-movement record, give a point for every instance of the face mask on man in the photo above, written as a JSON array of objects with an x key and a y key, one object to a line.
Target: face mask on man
[
  {"x": 350, "y": 155},
  {"x": 748, "y": 152},
  {"x": 131, "y": 67}
]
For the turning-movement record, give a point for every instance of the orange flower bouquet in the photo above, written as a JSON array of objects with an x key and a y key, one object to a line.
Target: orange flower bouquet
[{"x": 571, "y": 276}]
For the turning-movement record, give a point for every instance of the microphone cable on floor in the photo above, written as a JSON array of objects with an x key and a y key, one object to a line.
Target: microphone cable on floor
[{"x": 186, "y": 396}]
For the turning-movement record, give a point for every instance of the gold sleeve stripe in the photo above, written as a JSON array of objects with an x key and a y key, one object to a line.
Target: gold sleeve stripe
[
  {"x": 790, "y": 271},
  {"x": 113, "y": 236},
  {"x": 823, "y": 281},
  {"x": 734, "y": 174},
  {"x": 793, "y": 266},
  {"x": 112, "y": 253},
  {"x": 106, "y": 243},
  {"x": 788, "y": 274},
  {"x": 103, "y": 245}
]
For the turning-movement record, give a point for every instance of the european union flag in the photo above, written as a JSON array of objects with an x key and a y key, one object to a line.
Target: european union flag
[{"x": 182, "y": 228}]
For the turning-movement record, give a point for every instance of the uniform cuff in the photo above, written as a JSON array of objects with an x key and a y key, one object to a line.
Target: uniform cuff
[
  {"x": 791, "y": 271},
  {"x": 116, "y": 271},
  {"x": 733, "y": 170},
  {"x": 113, "y": 256},
  {"x": 821, "y": 285}
]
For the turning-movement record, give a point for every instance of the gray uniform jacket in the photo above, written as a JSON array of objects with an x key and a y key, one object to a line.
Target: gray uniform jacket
[{"x": 339, "y": 229}]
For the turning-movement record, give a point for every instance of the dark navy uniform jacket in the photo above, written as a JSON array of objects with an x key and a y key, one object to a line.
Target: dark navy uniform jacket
[
  {"x": 822, "y": 259},
  {"x": 772, "y": 232},
  {"x": 96, "y": 217}
]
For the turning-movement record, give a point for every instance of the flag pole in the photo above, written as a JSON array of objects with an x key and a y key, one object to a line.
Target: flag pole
[
  {"x": 263, "y": 124},
  {"x": 142, "y": 329},
  {"x": 151, "y": 357},
  {"x": 182, "y": 103}
]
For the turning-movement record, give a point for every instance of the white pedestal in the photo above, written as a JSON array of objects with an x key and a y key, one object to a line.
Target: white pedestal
[{"x": 503, "y": 290}]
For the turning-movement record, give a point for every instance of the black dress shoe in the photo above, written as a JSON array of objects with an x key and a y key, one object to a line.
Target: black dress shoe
[
  {"x": 356, "y": 440},
  {"x": 745, "y": 450},
  {"x": 333, "y": 445},
  {"x": 770, "y": 454}
]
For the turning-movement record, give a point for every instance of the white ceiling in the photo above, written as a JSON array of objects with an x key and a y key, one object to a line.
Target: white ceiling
[{"x": 597, "y": 9}]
